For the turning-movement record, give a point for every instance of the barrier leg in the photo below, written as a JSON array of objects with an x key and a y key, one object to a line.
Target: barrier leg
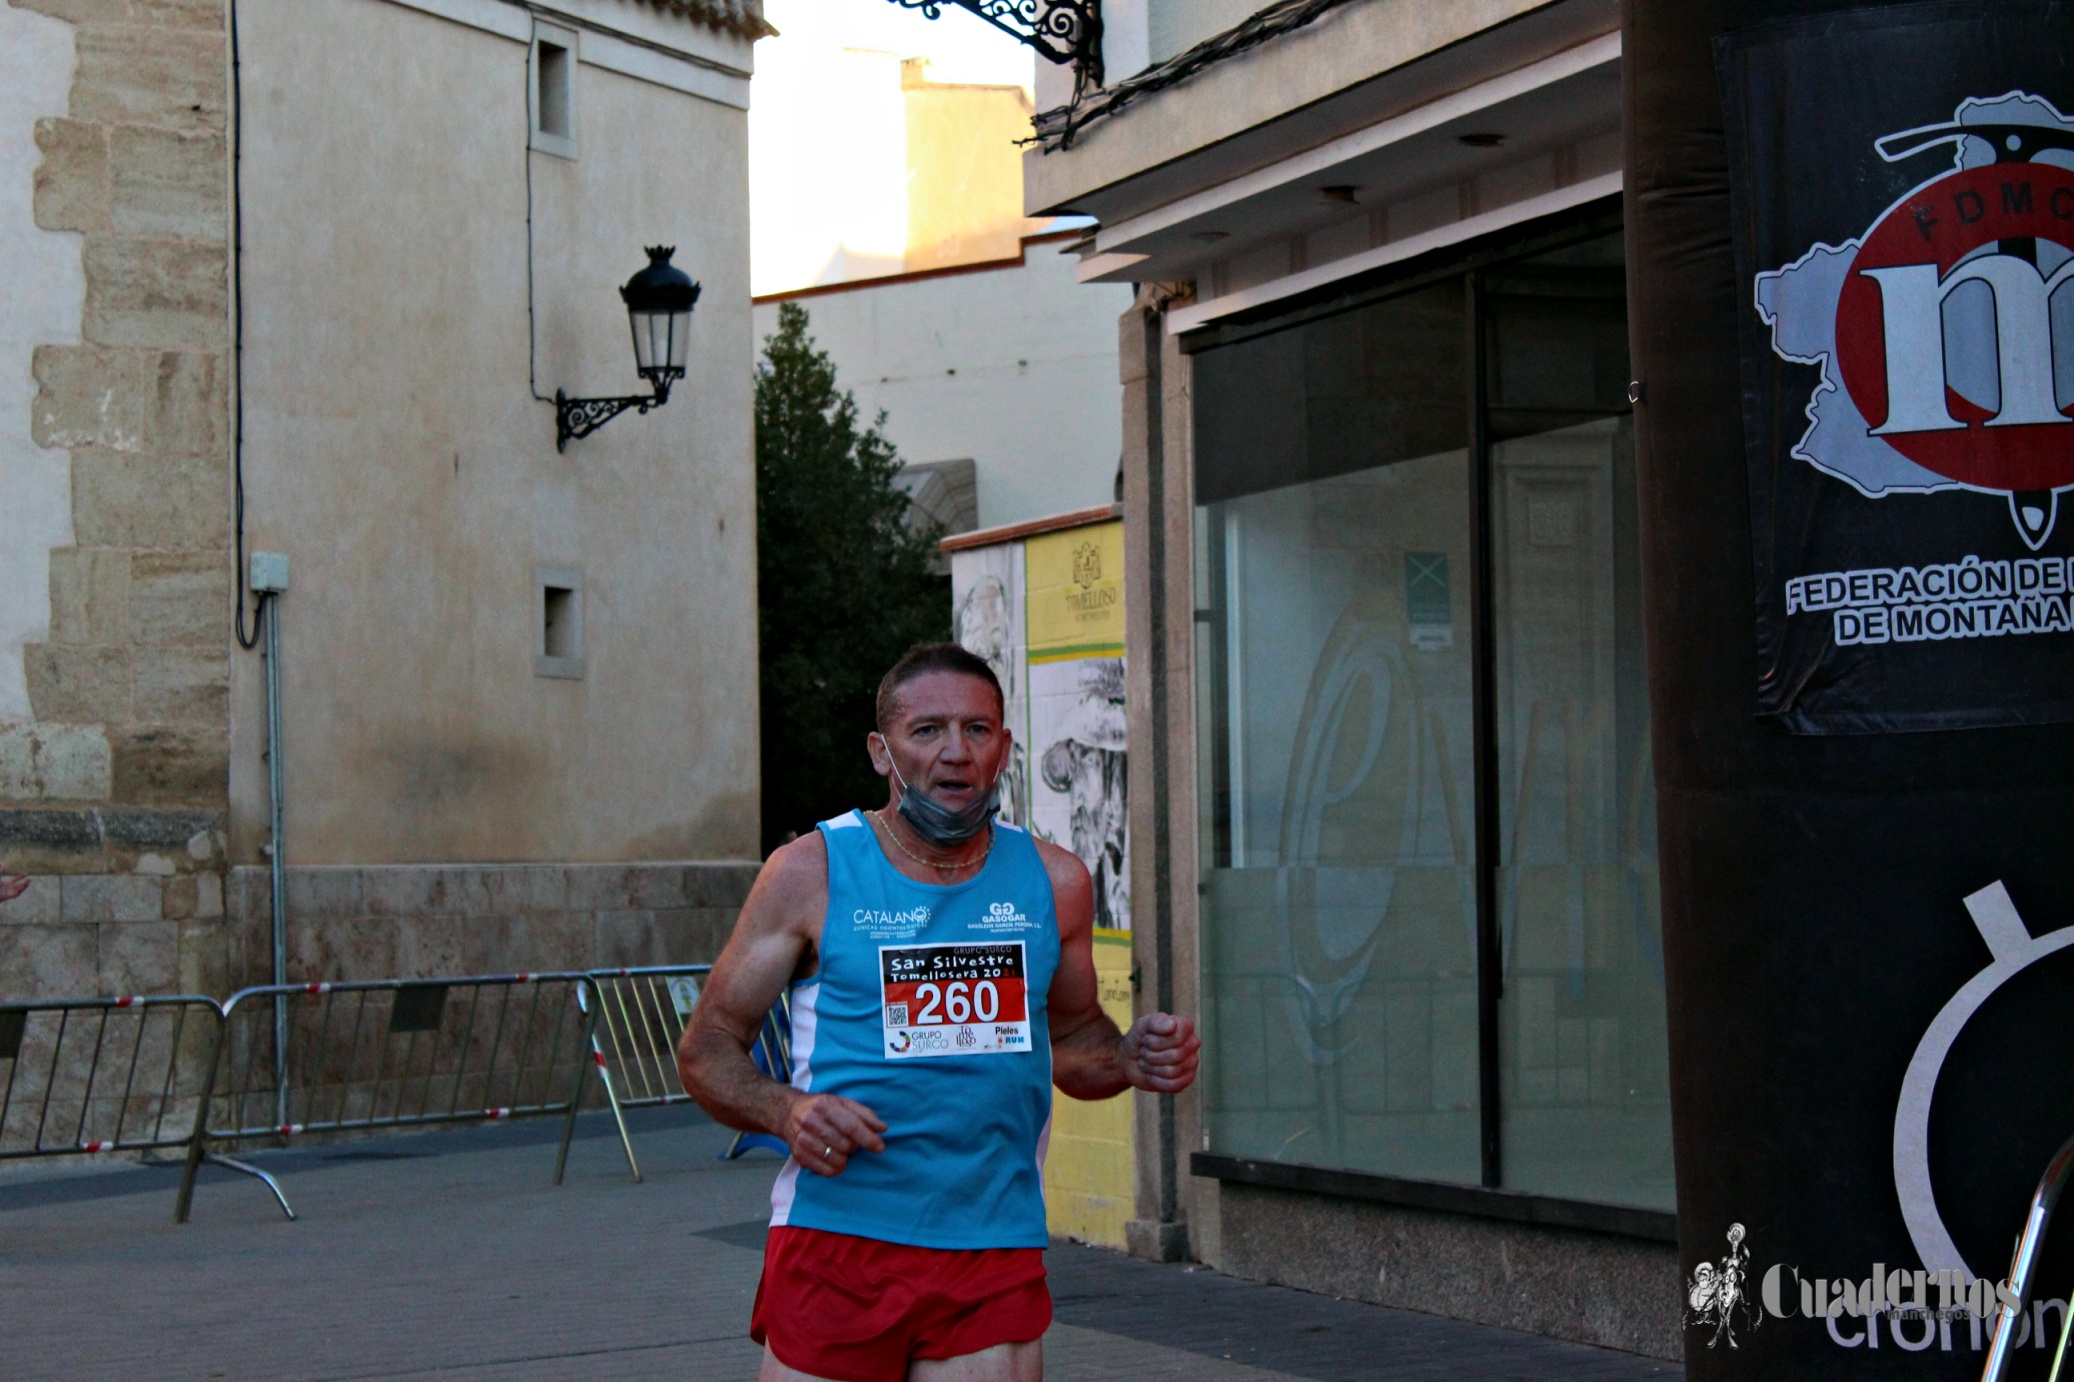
[
  {"x": 597, "y": 1058},
  {"x": 195, "y": 1153},
  {"x": 583, "y": 1074},
  {"x": 197, "y": 1142},
  {"x": 251, "y": 1170},
  {"x": 619, "y": 1117},
  {"x": 569, "y": 1123}
]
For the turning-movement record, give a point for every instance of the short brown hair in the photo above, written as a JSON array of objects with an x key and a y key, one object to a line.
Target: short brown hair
[{"x": 924, "y": 658}]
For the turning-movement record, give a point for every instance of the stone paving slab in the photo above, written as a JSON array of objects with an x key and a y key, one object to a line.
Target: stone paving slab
[{"x": 449, "y": 1257}]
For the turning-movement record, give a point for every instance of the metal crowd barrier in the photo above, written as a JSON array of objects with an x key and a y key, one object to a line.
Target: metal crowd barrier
[
  {"x": 388, "y": 1053},
  {"x": 636, "y": 1017},
  {"x": 87, "y": 1075},
  {"x": 90, "y": 1075}
]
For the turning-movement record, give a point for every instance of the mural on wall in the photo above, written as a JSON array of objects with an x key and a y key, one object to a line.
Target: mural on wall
[
  {"x": 1047, "y": 615},
  {"x": 1077, "y": 734},
  {"x": 987, "y": 619},
  {"x": 1074, "y": 582}
]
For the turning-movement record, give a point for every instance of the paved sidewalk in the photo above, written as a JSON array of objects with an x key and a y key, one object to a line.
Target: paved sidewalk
[{"x": 449, "y": 1258}]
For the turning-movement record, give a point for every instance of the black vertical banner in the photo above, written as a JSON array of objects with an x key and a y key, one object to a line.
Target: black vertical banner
[
  {"x": 1869, "y": 933},
  {"x": 1904, "y": 220}
]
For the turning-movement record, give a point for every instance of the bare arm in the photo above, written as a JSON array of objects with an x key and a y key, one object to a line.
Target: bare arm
[
  {"x": 1090, "y": 1058},
  {"x": 12, "y": 885},
  {"x": 776, "y": 934}
]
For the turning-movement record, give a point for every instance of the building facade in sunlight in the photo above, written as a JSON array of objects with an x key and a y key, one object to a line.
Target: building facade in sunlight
[
  {"x": 1391, "y": 806},
  {"x": 306, "y": 279},
  {"x": 961, "y": 319}
]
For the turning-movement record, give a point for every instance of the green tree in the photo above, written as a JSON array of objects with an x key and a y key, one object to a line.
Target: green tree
[{"x": 844, "y": 582}]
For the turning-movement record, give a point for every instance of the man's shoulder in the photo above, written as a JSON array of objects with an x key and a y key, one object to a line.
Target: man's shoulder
[
  {"x": 1072, "y": 890},
  {"x": 793, "y": 884},
  {"x": 1055, "y": 858}
]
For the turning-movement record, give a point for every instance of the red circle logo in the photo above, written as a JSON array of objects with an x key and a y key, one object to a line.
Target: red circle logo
[{"x": 1891, "y": 338}]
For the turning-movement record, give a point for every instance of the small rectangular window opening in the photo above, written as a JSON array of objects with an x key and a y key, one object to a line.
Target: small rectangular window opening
[
  {"x": 554, "y": 89},
  {"x": 551, "y": 100},
  {"x": 558, "y": 630},
  {"x": 558, "y": 622}
]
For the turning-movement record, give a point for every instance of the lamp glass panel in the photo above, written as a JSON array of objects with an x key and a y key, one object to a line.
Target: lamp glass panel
[
  {"x": 680, "y": 338},
  {"x": 644, "y": 324}
]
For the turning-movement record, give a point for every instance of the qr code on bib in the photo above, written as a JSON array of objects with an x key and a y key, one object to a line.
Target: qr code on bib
[{"x": 954, "y": 1000}]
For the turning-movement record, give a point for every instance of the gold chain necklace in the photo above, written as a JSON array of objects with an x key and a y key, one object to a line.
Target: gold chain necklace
[{"x": 894, "y": 836}]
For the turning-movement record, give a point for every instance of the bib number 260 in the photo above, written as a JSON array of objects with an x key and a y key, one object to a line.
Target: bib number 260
[
  {"x": 953, "y": 1003},
  {"x": 954, "y": 1000}
]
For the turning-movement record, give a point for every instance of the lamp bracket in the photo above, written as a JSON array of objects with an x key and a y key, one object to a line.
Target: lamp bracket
[
  {"x": 579, "y": 417},
  {"x": 1067, "y": 32}
]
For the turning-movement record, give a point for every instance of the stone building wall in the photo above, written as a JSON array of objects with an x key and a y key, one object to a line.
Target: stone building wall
[
  {"x": 122, "y": 767},
  {"x": 116, "y": 677},
  {"x": 82, "y": 934},
  {"x": 1593, "y": 1288}
]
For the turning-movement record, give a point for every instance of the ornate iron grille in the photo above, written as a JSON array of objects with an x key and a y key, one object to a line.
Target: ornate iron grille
[{"x": 1068, "y": 32}]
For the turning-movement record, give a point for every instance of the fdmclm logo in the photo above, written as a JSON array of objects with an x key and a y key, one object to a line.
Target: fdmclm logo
[
  {"x": 1945, "y": 333},
  {"x": 1913, "y": 1311}
]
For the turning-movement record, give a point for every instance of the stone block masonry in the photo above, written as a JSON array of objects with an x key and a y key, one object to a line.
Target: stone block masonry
[
  {"x": 1592, "y": 1288},
  {"x": 124, "y": 765},
  {"x": 77, "y": 935}
]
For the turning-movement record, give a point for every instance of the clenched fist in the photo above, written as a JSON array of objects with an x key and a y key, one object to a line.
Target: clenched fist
[{"x": 1161, "y": 1052}]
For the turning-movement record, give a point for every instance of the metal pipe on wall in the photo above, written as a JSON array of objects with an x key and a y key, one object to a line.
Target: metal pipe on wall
[
  {"x": 269, "y": 583},
  {"x": 274, "y": 851}
]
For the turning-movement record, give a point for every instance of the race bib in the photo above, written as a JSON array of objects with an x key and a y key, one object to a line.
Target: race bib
[{"x": 954, "y": 1000}]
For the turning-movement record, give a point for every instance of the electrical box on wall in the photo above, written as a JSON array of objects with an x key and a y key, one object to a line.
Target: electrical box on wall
[{"x": 269, "y": 572}]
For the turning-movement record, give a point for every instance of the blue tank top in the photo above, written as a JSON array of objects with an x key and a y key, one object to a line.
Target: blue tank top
[{"x": 929, "y": 1007}]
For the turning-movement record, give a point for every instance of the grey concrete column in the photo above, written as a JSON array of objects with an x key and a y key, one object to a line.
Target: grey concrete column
[{"x": 1160, "y": 614}]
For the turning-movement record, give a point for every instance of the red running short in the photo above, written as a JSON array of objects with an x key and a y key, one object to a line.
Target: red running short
[{"x": 859, "y": 1310}]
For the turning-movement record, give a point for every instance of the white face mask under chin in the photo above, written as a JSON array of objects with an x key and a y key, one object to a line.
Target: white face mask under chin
[{"x": 937, "y": 823}]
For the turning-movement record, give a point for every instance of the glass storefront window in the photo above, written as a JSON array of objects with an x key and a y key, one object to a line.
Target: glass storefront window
[
  {"x": 1342, "y": 956},
  {"x": 1337, "y": 641},
  {"x": 1585, "y": 1073}
]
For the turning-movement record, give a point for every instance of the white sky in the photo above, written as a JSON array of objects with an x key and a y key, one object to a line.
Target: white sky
[
  {"x": 827, "y": 150},
  {"x": 961, "y": 46}
]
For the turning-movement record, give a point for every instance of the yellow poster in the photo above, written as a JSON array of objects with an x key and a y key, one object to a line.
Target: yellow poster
[
  {"x": 1089, "y": 1189},
  {"x": 1074, "y": 593}
]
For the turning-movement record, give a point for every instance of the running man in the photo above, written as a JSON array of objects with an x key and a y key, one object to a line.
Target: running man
[{"x": 942, "y": 977}]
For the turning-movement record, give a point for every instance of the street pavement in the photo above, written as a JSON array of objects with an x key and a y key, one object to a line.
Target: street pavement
[{"x": 448, "y": 1257}]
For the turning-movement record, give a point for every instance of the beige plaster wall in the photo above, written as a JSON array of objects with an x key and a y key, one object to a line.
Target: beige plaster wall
[
  {"x": 964, "y": 177},
  {"x": 394, "y": 451}
]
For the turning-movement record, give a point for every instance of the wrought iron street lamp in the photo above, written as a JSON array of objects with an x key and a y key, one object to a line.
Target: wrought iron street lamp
[{"x": 659, "y": 300}]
